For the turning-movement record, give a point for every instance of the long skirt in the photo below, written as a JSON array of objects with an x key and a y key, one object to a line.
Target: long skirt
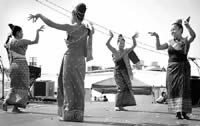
[
  {"x": 71, "y": 89},
  {"x": 125, "y": 95},
  {"x": 19, "y": 76},
  {"x": 178, "y": 87}
]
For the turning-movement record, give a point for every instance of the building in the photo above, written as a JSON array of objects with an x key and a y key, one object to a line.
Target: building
[
  {"x": 93, "y": 68},
  {"x": 33, "y": 61}
]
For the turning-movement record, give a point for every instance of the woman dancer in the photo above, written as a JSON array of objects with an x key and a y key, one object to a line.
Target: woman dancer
[
  {"x": 123, "y": 73},
  {"x": 72, "y": 72},
  {"x": 19, "y": 71},
  {"x": 178, "y": 71}
]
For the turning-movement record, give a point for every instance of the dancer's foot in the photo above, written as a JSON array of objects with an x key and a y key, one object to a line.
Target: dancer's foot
[
  {"x": 117, "y": 109},
  {"x": 60, "y": 118},
  {"x": 178, "y": 115},
  {"x": 16, "y": 110},
  {"x": 123, "y": 109},
  {"x": 4, "y": 107},
  {"x": 120, "y": 109},
  {"x": 185, "y": 116}
]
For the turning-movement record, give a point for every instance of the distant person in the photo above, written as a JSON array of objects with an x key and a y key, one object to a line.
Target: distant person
[
  {"x": 95, "y": 98},
  {"x": 163, "y": 69},
  {"x": 105, "y": 99},
  {"x": 162, "y": 99},
  {"x": 178, "y": 71},
  {"x": 19, "y": 71},
  {"x": 123, "y": 73},
  {"x": 71, "y": 94}
]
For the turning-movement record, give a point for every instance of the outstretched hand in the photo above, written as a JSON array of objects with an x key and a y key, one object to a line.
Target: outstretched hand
[
  {"x": 41, "y": 28},
  {"x": 135, "y": 35},
  {"x": 186, "y": 22},
  {"x": 111, "y": 34},
  {"x": 153, "y": 34},
  {"x": 33, "y": 17}
]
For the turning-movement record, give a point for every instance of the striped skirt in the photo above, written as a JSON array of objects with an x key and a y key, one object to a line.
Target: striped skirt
[{"x": 178, "y": 87}]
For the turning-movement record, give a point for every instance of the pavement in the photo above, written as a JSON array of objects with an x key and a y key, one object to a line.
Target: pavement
[{"x": 100, "y": 114}]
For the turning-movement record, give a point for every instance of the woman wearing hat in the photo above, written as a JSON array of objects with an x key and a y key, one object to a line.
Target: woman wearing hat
[
  {"x": 178, "y": 71},
  {"x": 72, "y": 72},
  {"x": 123, "y": 72}
]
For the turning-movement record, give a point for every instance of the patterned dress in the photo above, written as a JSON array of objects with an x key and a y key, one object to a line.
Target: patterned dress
[
  {"x": 71, "y": 78},
  {"x": 19, "y": 74},
  {"x": 125, "y": 95},
  {"x": 178, "y": 81}
]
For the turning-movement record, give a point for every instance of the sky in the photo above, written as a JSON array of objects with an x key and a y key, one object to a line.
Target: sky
[{"x": 121, "y": 16}]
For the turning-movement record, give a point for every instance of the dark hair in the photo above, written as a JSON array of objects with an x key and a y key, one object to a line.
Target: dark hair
[
  {"x": 120, "y": 35},
  {"x": 14, "y": 29},
  {"x": 178, "y": 23},
  {"x": 80, "y": 10},
  {"x": 89, "y": 31},
  {"x": 162, "y": 93}
]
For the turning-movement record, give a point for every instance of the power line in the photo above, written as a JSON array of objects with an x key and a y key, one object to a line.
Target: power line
[
  {"x": 51, "y": 8},
  {"x": 96, "y": 23},
  {"x": 152, "y": 50},
  {"x": 58, "y": 6},
  {"x": 39, "y": 1}
]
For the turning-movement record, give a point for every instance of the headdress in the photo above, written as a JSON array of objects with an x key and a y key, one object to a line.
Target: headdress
[
  {"x": 120, "y": 37},
  {"x": 80, "y": 10},
  {"x": 14, "y": 29}
]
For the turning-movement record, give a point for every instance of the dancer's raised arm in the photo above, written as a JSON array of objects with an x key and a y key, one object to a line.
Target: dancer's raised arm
[
  {"x": 50, "y": 23},
  {"x": 158, "y": 45},
  {"x": 134, "y": 42},
  {"x": 29, "y": 42},
  {"x": 190, "y": 30},
  {"x": 110, "y": 47}
]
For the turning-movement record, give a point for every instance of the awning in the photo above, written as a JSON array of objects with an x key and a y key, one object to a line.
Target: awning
[{"x": 108, "y": 86}]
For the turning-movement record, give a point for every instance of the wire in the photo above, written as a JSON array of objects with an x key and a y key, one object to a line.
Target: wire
[
  {"x": 51, "y": 8},
  {"x": 95, "y": 23},
  {"x": 149, "y": 46},
  {"x": 58, "y": 6}
]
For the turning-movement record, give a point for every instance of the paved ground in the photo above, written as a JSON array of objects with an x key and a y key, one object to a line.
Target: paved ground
[{"x": 100, "y": 114}]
